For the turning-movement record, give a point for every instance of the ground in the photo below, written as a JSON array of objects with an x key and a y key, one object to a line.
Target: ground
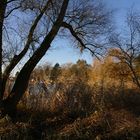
[{"x": 112, "y": 124}]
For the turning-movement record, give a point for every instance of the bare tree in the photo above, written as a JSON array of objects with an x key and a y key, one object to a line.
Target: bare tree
[
  {"x": 127, "y": 48},
  {"x": 38, "y": 22}
]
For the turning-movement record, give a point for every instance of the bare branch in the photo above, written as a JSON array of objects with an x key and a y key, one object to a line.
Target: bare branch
[
  {"x": 15, "y": 8},
  {"x": 11, "y": 1},
  {"x": 74, "y": 34},
  {"x": 18, "y": 57}
]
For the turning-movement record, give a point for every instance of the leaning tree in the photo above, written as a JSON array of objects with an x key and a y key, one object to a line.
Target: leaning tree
[{"x": 28, "y": 28}]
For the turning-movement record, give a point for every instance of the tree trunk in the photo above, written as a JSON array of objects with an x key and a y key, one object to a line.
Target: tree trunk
[
  {"x": 135, "y": 76},
  {"x": 21, "y": 83},
  {"x": 16, "y": 59},
  {"x": 2, "y": 14}
]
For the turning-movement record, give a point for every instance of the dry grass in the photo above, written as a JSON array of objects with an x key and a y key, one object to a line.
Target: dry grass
[
  {"x": 113, "y": 116},
  {"x": 108, "y": 124}
]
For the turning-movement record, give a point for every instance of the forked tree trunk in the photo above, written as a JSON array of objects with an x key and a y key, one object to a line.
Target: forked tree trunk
[
  {"x": 9, "y": 104},
  {"x": 16, "y": 59}
]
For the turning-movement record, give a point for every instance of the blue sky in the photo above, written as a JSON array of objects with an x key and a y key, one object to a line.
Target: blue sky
[
  {"x": 121, "y": 7},
  {"x": 65, "y": 53}
]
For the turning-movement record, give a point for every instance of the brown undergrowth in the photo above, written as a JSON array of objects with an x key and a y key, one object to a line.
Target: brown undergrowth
[{"x": 109, "y": 121}]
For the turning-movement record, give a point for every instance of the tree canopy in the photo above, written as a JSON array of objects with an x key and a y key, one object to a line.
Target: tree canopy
[{"x": 28, "y": 28}]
